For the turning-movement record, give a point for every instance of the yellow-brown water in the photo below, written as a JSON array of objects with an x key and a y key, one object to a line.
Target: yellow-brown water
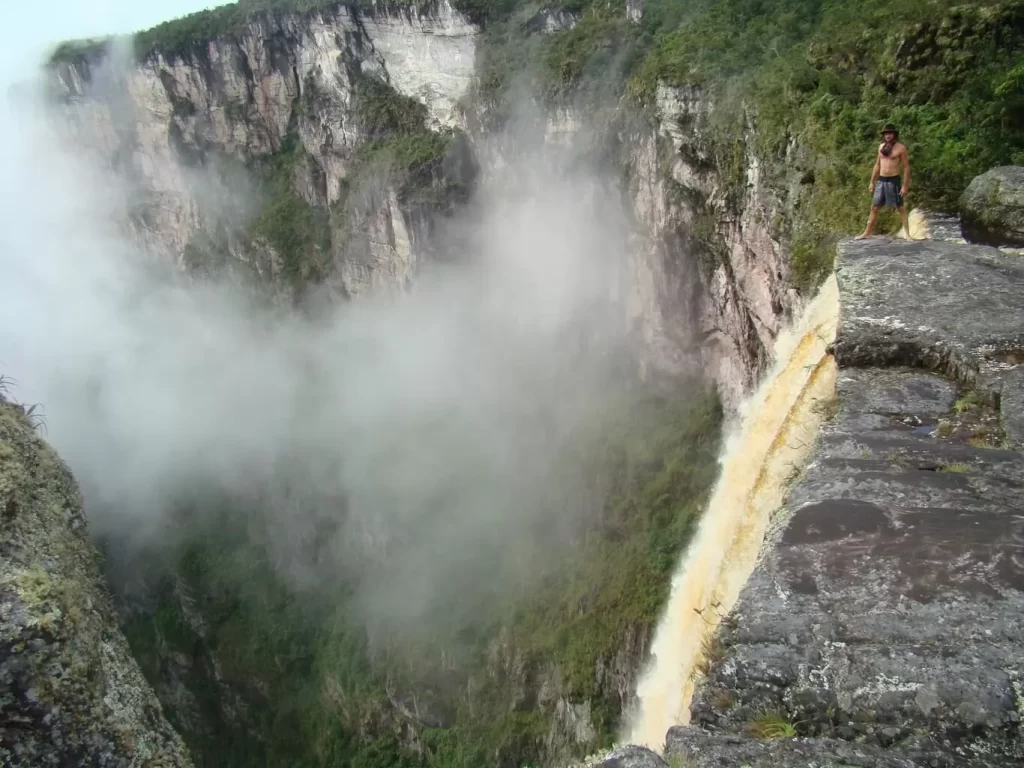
[{"x": 772, "y": 437}]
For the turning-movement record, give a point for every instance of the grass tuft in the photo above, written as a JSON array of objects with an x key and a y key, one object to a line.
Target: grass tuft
[
  {"x": 956, "y": 467},
  {"x": 771, "y": 725},
  {"x": 712, "y": 651}
]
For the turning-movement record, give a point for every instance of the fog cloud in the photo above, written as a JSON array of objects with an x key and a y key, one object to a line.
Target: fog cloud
[{"x": 414, "y": 437}]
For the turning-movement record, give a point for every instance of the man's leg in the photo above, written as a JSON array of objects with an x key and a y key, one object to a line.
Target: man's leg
[{"x": 872, "y": 217}]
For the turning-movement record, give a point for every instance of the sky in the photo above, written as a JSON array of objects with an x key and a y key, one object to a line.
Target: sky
[{"x": 29, "y": 29}]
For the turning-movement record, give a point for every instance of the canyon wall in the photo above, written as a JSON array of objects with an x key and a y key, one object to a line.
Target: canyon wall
[
  {"x": 323, "y": 154},
  {"x": 336, "y": 99}
]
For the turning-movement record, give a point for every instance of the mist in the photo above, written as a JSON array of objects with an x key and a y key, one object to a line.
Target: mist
[{"x": 414, "y": 443}]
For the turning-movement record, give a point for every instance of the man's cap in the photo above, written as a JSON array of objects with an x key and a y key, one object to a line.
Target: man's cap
[{"x": 889, "y": 128}]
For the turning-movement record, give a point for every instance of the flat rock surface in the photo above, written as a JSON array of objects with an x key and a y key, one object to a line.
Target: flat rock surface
[
  {"x": 885, "y": 621},
  {"x": 943, "y": 306},
  {"x": 696, "y": 749}
]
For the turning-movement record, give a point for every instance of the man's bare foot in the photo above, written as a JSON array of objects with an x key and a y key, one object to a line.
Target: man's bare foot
[{"x": 862, "y": 236}]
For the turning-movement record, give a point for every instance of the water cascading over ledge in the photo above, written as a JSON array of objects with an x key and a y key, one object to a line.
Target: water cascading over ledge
[
  {"x": 881, "y": 623},
  {"x": 774, "y": 433}
]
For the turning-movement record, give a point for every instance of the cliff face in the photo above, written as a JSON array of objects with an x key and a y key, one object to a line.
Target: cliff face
[
  {"x": 709, "y": 270},
  {"x": 173, "y": 123},
  {"x": 70, "y": 691},
  {"x": 883, "y": 623},
  {"x": 326, "y": 90}
]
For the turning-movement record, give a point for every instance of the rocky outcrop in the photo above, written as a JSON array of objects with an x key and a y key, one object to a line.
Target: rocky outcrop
[
  {"x": 992, "y": 207},
  {"x": 629, "y": 757},
  {"x": 883, "y": 625},
  {"x": 70, "y": 691},
  {"x": 178, "y": 124}
]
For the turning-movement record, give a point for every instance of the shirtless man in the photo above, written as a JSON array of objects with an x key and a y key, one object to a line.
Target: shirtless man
[{"x": 885, "y": 179}]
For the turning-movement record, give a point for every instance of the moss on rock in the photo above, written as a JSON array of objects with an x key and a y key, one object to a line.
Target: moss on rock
[{"x": 72, "y": 694}]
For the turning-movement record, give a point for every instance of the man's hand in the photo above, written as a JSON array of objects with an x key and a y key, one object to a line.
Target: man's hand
[
  {"x": 871, "y": 188},
  {"x": 903, "y": 191}
]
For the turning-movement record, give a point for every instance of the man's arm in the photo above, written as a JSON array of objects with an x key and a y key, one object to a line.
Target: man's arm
[
  {"x": 906, "y": 172},
  {"x": 875, "y": 171}
]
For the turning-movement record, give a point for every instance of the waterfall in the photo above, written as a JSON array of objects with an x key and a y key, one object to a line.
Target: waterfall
[{"x": 769, "y": 443}]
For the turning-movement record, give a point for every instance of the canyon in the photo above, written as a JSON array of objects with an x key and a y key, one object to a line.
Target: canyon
[{"x": 350, "y": 158}]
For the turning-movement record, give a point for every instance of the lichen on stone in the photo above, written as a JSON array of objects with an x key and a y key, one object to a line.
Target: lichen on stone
[{"x": 71, "y": 693}]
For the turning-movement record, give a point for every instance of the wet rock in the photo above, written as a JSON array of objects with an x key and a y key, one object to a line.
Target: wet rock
[
  {"x": 1012, "y": 405},
  {"x": 935, "y": 305},
  {"x": 701, "y": 750},
  {"x": 629, "y": 757},
  {"x": 992, "y": 207},
  {"x": 887, "y": 609},
  {"x": 70, "y": 691}
]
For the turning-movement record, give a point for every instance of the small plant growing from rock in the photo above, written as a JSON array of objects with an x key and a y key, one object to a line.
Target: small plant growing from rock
[
  {"x": 712, "y": 651},
  {"x": 958, "y": 467},
  {"x": 771, "y": 725},
  {"x": 826, "y": 407},
  {"x": 984, "y": 438},
  {"x": 722, "y": 700},
  {"x": 972, "y": 399}
]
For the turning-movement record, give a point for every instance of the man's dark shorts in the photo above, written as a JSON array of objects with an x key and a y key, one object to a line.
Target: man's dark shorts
[{"x": 887, "y": 192}]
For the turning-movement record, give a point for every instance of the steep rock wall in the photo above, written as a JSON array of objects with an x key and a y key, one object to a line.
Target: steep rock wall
[
  {"x": 167, "y": 123},
  {"x": 710, "y": 273},
  {"x": 70, "y": 691},
  {"x": 707, "y": 274}
]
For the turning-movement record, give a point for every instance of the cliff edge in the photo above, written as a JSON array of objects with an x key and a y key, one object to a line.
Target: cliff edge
[
  {"x": 883, "y": 625},
  {"x": 70, "y": 691}
]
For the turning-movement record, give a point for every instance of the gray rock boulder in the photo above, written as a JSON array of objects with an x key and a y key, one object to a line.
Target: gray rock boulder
[
  {"x": 70, "y": 691},
  {"x": 629, "y": 757},
  {"x": 992, "y": 207}
]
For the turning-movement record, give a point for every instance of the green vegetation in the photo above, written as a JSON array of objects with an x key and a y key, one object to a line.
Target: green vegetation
[
  {"x": 817, "y": 76},
  {"x": 712, "y": 651},
  {"x": 829, "y": 74},
  {"x": 76, "y": 50},
  {"x": 771, "y": 725},
  {"x": 299, "y": 232},
  {"x": 969, "y": 400},
  {"x": 820, "y": 77},
  {"x": 317, "y": 690},
  {"x": 185, "y": 34},
  {"x": 956, "y": 467},
  {"x": 398, "y": 140},
  {"x": 383, "y": 112}
]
